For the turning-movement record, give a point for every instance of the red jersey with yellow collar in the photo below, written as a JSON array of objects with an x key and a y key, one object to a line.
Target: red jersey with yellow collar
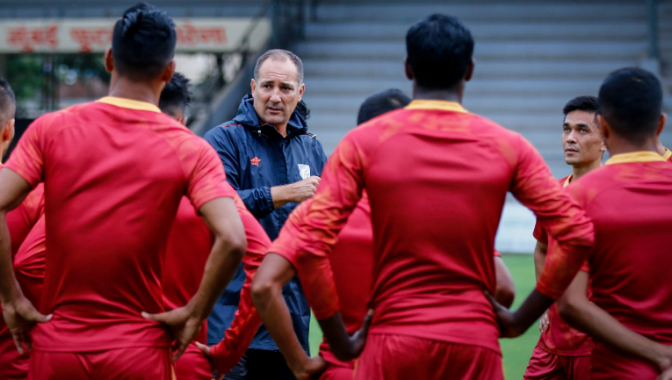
[
  {"x": 115, "y": 171},
  {"x": 627, "y": 276},
  {"x": 437, "y": 177}
]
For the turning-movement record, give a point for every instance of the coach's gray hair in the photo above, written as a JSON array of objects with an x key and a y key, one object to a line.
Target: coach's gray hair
[{"x": 280, "y": 55}]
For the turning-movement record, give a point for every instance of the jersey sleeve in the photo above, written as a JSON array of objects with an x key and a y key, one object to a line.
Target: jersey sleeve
[
  {"x": 339, "y": 191},
  {"x": 207, "y": 180},
  {"x": 497, "y": 253},
  {"x": 246, "y": 321},
  {"x": 22, "y": 219},
  {"x": 539, "y": 233},
  {"x": 27, "y": 160},
  {"x": 558, "y": 214}
]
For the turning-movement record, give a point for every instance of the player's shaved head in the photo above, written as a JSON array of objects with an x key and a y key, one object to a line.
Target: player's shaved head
[
  {"x": 175, "y": 97},
  {"x": 631, "y": 101},
  {"x": 380, "y": 103},
  {"x": 143, "y": 42},
  {"x": 439, "y": 51},
  {"x": 7, "y": 102}
]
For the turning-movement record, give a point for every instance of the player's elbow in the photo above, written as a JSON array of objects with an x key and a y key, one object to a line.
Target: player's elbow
[{"x": 263, "y": 290}]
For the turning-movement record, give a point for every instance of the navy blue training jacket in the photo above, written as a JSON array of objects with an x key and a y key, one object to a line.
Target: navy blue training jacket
[{"x": 256, "y": 157}]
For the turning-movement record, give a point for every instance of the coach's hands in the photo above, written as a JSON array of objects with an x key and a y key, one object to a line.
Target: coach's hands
[
  {"x": 183, "y": 323},
  {"x": 20, "y": 316}
]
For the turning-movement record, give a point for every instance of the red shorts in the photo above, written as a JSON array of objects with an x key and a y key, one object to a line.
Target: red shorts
[
  {"x": 612, "y": 364},
  {"x": 129, "y": 364},
  {"x": 546, "y": 366},
  {"x": 12, "y": 366},
  {"x": 399, "y": 357},
  {"x": 335, "y": 372},
  {"x": 192, "y": 365}
]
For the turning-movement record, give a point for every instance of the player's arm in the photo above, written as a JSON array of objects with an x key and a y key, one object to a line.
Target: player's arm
[
  {"x": 221, "y": 217},
  {"x": 274, "y": 272},
  {"x": 563, "y": 220},
  {"x": 246, "y": 321},
  {"x": 506, "y": 290},
  {"x": 19, "y": 314},
  {"x": 584, "y": 315}
]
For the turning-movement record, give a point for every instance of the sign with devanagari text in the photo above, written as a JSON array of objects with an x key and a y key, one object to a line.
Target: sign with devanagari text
[{"x": 215, "y": 35}]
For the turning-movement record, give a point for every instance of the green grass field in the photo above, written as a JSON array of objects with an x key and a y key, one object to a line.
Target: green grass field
[{"x": 517, "y": 351}]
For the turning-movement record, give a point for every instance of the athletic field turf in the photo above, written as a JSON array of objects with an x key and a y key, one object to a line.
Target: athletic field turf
[{"x": 517, "y": 351}]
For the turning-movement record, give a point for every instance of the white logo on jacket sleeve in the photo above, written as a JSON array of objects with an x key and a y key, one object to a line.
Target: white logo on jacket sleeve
[{"x": 304, "y": 171}]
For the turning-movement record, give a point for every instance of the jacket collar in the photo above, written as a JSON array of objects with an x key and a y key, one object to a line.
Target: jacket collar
[{"x": 248, "y": 117}]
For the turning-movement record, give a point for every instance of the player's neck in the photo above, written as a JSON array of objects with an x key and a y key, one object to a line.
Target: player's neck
[
  {"x": 619, "y": 145},
  {"x": 580, "y": 170},
  {"x": 139, "y": 91},
  {"x": 449, "y": 95}
]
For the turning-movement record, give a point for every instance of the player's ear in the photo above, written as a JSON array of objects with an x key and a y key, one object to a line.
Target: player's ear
[
  {"x": 470, "y": 70},
  {"x": 604, "y": 127},
  {"x": 661, "y": 124},
  {"x": 302, "y": 89},
  {"x": 253, "y": 85},
  {"x": 109, "y": 62},
  {"x": 408, "y": 70},
  {"x": 7, "y": 132},
  {"x": 168, "y": 72}
]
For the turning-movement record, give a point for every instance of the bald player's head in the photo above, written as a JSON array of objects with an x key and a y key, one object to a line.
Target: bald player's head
[{"x": 7, "y": 111}]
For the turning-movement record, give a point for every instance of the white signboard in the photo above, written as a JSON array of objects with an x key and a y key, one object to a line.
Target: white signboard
[{"x": 95, "y": 35}]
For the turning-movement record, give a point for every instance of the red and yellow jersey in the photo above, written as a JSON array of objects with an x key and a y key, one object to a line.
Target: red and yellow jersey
[
  {"x": 246, "y": 321},
  {"x": 351, "y": 261},
  {"x": 115, "y": 171},
  {"x": 627, "y": 279},
  {"x": 437, "y": 178}
]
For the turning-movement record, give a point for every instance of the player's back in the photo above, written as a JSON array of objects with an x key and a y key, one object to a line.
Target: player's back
[
  {"x": 631, "y": 207},
  {"x": 437, "y": 179},
  {"x": 115, "y": 171}
]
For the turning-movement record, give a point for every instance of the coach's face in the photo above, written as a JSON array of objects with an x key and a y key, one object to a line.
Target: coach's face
[
  {"x": 581, "y": 138},
  {"x": 276, "y": 92}
]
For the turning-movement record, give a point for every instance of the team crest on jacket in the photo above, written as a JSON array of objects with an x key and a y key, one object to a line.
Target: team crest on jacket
[
  {"x": 255, "y": 161},
  {"x": 304, "y": 171}
]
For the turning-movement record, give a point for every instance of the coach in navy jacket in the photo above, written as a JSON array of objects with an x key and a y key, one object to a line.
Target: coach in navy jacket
[{"x": 271, "y": 173}]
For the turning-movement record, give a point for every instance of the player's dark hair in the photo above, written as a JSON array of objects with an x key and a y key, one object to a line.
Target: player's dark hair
[
  {"x": 280, "y": 55},
  {"x": 380, "y": 103},
  {"x": 581, "y": 103},
  {"x": 143, "y": 42},
  {"x": 7, "y": 100},
  {"x": 439, "y": 51},
  {"x": 175, "y": 96},
  {"x": 631, "y": 101}
]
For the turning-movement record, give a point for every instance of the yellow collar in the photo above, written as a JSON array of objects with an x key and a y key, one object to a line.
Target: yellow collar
[
  {"x": 642, "y": 156},
  {"x": 441, "y": 105},
  {"x": 667, "y": 155},
  {"x": 568, "y": 180},
  {"x": 129, "y": 103}
]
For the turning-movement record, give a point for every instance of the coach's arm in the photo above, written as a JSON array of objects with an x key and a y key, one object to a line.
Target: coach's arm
[
  {"x": 580, "y": 313},
  {"x": 19, "y": 313},
  {"x": 223, "y": 220}
]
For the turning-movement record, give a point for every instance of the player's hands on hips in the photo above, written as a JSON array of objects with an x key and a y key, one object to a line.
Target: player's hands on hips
[
  {"x": 505, "y": 318},
  {"x": 183, "y": 324},
  {"x": 310, "y": 369},
  {"x": 664, "y": 361},
  {"x": 209, "y": 352},
  {"x": 543, "y": 322},
  {"x": 20, "y": 316},
  {"x": 358, "y": 339}
]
